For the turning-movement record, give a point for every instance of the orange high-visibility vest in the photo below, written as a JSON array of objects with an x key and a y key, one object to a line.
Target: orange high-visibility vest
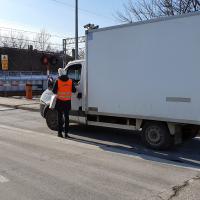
[{"x": 64, "y": 90}]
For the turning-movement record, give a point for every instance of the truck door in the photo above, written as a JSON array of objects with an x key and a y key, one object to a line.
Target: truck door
[{"x": 74, "y": 73}]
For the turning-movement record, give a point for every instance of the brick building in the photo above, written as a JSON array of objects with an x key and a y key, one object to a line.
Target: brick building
[{"x": 29, "y": 60}]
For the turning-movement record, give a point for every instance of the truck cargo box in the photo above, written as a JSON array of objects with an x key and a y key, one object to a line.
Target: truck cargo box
[{"x": 146, "y": 70}]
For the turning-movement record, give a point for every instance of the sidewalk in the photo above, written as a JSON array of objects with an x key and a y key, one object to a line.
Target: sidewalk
[{"x": 20, "y": 103}]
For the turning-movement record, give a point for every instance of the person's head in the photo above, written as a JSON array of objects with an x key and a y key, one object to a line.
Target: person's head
[{"x": 61, "y": 72}]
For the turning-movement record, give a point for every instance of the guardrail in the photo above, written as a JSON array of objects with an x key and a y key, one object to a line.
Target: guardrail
[{"x": 11, "y": 81}]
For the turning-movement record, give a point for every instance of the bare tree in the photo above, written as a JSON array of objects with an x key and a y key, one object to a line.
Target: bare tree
[
  {"x": 14, "y": 41},
  {"x": 42, "y": 41},
  {"x": 140, "y": 10},
  {"x": 4, "y": 41},
  {"x": 23, "y": 41},
  {"x": 81, "y": 53}
]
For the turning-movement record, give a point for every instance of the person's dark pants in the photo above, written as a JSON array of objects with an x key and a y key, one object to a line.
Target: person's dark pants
[
  {"x": 61, "y": 120},
  {"x": 63, "y": 108}
]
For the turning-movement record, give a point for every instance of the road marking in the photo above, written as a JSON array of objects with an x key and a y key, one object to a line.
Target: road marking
[{"x": 3, "y": 179}]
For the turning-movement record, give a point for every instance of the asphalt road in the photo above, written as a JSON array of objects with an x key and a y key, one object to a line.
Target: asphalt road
[{"x": 95, "y": 164}]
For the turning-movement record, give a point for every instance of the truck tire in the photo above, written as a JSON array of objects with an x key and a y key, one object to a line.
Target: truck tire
[
  {"x": 52, "y": 119},
  {"x": 156, "y": 136}
]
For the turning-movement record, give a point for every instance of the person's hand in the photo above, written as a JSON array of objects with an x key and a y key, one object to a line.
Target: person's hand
[{"x": 77, "y": 85}]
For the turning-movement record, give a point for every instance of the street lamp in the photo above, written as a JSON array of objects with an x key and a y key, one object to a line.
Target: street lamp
[
  {"x": 91, "y": 26},
  {"x": 76, "y": 30}
]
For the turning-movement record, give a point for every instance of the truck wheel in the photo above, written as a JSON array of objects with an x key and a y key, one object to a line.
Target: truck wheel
[
  {"x": 156, "y": 136},
  {"x": 52, "y": 119}
]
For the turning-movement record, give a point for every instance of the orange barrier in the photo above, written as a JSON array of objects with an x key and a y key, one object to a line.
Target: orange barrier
[{"x": 29, "y": 93}]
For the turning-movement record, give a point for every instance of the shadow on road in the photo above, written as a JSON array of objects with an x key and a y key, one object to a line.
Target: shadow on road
[{"x": 126, "y": 142}]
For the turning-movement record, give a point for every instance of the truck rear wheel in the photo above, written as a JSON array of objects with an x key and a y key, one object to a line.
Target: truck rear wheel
[
  {"x": 52, "y": 119},
  {"x": 156, "y": 135}
]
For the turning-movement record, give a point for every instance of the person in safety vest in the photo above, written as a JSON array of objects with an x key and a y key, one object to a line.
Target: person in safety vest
[{"x": 63, "y": 88}]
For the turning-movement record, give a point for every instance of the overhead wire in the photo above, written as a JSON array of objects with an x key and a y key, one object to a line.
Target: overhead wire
[
  {"x": 83, "y": 10},
  {"x": 54, "y": 35},
  {"x": 26, "y": 31},
  {"x": 28, "y": 40}
]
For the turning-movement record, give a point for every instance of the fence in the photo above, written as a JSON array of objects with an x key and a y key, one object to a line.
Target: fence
[{"x": 13, "y": 81}]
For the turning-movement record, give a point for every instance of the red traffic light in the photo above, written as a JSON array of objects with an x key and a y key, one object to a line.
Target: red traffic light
[
  {"x": 44, "y": 60},
  {"x": 49, "y": 60}
]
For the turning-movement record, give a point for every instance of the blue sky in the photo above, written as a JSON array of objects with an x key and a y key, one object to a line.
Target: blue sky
[{"x": 57, "y": 16}]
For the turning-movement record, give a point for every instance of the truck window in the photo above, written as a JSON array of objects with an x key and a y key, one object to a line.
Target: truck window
[{"x": 74, "y": 72}]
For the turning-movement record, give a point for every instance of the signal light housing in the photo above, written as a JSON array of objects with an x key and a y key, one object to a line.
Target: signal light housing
[{"x": 49, "y": 60}]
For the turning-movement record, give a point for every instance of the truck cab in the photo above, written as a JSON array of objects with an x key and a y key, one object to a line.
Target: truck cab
[{"x": 76, "y": 72}]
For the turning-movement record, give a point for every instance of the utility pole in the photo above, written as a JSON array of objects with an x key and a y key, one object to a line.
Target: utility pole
[{"x": 76, "y": 30}]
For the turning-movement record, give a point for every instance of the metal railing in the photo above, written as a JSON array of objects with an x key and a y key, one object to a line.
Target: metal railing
[
  {"x": 24, "y": 75},
  {"x": 17, "y": 80}
]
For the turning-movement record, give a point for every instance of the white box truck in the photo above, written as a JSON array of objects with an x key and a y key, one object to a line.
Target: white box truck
[{"x": 139, "y": 76}]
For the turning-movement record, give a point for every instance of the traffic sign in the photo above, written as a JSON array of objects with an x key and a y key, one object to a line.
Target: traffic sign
[{"x": 4, "y": 62}]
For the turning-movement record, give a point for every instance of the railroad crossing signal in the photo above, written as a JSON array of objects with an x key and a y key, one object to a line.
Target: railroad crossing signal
[
  {"x": 44, "y": 60},
  {"x": 4, "y": 62},
  {"x": 49, "y": 60}
]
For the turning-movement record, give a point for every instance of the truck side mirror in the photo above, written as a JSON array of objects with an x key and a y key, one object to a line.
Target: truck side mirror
[
  {"x": 50, "y": 83},
  {"x": 79, "y": 95}
]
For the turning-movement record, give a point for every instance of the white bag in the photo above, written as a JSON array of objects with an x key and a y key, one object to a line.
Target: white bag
[{"x": 53, "y": 101}]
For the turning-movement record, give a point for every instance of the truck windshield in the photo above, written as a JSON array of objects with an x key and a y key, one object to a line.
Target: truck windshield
[{"x": 74, "y": 72}]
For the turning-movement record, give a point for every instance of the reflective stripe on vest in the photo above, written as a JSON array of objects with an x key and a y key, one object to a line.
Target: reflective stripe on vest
[{"x": 64, "y": 90}]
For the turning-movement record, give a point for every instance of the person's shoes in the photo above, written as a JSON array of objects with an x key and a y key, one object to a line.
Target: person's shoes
[
  {"x": 67, "y": 136},
  {"x": 60, "y": 135}
]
